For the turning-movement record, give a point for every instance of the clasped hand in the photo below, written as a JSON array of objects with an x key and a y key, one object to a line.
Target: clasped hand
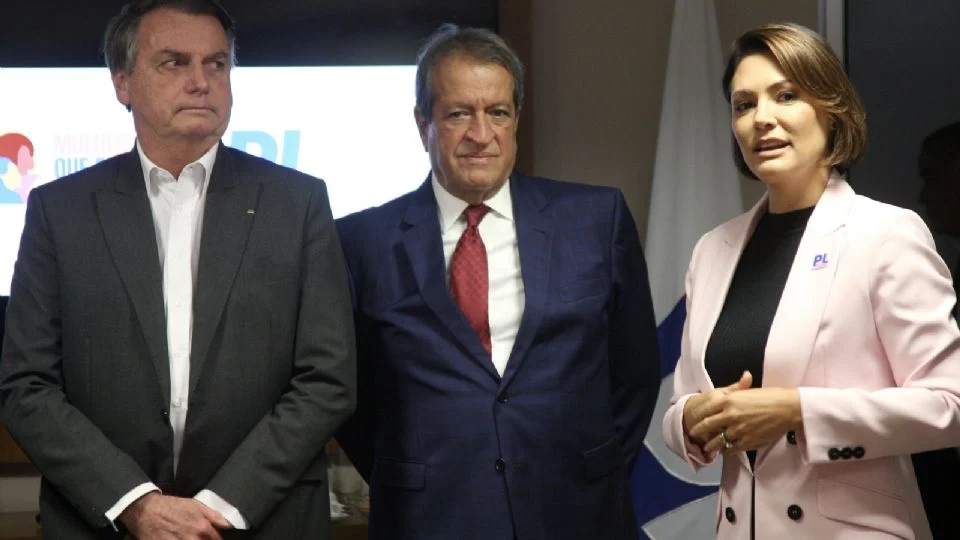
[
  {"x": 746, "y": 418},
  {"x": 160, "y": 517}
]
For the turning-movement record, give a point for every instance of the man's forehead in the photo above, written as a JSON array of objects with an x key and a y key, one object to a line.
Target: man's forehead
[{"x": 168, "y": 28}]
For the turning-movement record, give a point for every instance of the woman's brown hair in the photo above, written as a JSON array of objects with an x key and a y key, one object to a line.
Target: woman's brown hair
[{"x": 809, "y": 62}]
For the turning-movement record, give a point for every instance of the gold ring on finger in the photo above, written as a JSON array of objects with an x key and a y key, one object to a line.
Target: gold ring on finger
[{"x": 723, "y": 438}]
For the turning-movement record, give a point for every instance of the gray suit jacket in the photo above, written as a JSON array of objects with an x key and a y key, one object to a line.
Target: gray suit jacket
[{"x": 84, "y": 376}]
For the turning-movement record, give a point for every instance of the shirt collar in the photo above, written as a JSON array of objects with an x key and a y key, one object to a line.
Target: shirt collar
[
  {"x": 206, "y": 162},
  {"x": 451, "y": 208}
]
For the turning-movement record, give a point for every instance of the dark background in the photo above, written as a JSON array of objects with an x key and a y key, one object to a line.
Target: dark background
[
  {"x": 270, "y": 32},
  {"x": 904, "y": 58}
]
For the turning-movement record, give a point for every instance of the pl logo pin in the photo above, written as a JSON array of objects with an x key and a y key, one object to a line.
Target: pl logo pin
[{"x": 820, "y": 261}]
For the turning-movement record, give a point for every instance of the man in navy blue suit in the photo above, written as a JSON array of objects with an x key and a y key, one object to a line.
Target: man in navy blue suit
[{"x": 507, "y": 347}]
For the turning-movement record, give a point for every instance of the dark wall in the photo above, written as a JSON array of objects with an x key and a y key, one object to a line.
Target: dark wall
[
  {"x": 271, "y": 32},
  {"x": 904, "y": 58}
]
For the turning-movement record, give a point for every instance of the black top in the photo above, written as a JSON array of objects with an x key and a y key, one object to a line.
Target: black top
[
  {"x": 956, "y": 289},
  {"x": 740, "y": 336}
]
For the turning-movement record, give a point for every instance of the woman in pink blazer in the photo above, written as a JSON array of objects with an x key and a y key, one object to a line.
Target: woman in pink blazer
[{"x": 819, "y": 350}]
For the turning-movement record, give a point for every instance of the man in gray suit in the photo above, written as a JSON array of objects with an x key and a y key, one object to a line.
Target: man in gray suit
[{"x": 179, "y": 341}]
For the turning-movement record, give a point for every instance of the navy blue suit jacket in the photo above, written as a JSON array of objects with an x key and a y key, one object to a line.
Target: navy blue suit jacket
[{"x": 453, "y": 450}]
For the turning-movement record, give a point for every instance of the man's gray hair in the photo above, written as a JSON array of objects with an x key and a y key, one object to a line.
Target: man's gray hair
[{"x": 478, "y": 44}]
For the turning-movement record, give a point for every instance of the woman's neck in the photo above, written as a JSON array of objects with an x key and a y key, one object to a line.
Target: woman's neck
[{"x": 786, "y": 196}]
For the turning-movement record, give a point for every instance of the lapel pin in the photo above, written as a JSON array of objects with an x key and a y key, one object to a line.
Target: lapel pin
[
  {"x": 820, "y": 261},
  {"x": 250, "y": 211}
]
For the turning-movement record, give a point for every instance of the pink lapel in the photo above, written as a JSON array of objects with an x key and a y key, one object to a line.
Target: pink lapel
[
  {"x": 717, "y": 268},
  {"x": 796, "y": 324}
]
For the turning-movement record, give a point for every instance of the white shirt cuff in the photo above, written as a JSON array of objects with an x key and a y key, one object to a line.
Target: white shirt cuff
[
  {"x": 114, "y": 512},
  {"x": 226, "y": 509}
]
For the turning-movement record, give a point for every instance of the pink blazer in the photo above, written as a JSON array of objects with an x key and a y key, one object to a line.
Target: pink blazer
[{"x": 864, "y": 330}]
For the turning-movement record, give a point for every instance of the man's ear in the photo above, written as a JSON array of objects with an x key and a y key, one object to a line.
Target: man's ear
[
  {"x": 121, "y": 85},
  {"x": 423, "y": 124}
]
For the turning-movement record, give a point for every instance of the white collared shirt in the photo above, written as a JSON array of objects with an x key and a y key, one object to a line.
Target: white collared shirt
[
  {"x": 177, "y": 206},
  {"x": 505, "y": 300}
]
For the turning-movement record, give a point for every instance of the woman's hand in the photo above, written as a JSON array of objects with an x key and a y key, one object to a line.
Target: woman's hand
[
  {"x": 701, "y": 406},
  {"x": 749, "y": 419}
]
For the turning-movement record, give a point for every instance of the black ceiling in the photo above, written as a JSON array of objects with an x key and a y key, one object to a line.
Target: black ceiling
[{"x": 270, "y": 32}]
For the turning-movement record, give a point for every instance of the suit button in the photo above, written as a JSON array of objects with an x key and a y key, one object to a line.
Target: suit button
[
  {"x": 791, "y": 437},
  {"x": 794, "y": 512},
  {"x": 500, "y": 465},
  {"x": 166, "y": 416},
  {"x": 846, "y": 453},
  {"x": 502, "y": 398},
  {"x": 859, "y": 452},
  {"x": 833, "y": 454},
  {"x": 731, "y": 515}
]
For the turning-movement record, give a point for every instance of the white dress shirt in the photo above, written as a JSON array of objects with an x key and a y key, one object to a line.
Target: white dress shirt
[
  {"x": 177, "y": 205},
  {"x": 498, "y": 230}
]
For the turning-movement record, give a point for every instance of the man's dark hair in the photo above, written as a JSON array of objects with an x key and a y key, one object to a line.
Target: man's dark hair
[{"x": 120, "y": 39}]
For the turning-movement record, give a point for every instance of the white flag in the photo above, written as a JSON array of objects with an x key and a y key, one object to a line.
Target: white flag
[{"x": 695, "y": 188}]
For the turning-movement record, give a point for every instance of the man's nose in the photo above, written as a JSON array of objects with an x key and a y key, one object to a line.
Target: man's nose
[
  {"x": 480, "y": 131},
  {"x": 199, "y": 80}
]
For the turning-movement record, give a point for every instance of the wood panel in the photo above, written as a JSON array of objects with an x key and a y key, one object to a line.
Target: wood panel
[
  {"x": 10, "y": 453},
  {"x": 19, "y": 526}
]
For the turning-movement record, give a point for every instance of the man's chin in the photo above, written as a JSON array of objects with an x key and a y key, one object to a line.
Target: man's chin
[{"x": 199, "y": 133}]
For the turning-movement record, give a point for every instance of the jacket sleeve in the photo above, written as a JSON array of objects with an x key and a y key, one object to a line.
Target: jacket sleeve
[
  {"x": 73, "y": 454},
  {"x": 911, "y": 296},
  {"x": 357, "y": 435},
  {"x": 634, "y": 351},
  {"x": 322, "y": 390},
  {"x": 685, "y": 384}
]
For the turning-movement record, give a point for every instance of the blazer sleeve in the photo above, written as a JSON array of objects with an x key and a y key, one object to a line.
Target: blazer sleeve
[
  {"x": 61, "y": 441},
  {"x": 685, "y": 384},
  {"x": 357, "y": 435},
  {"x": 322, "y": 390},
  {"x": 634, "y": 351},
  {"x": 912, "y": 297}
]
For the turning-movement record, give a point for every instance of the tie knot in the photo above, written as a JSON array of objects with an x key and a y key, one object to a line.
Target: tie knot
[{"x": 475, "y": 213}]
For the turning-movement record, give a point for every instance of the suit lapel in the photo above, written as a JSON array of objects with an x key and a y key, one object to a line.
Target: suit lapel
[
  {"x": 721, "y": 265},
  {"x": 534, "y": 239},
  {"x": 804, "y": 298},
  {"x": 803, "y": 301},
  {"x": 424, "y": 247},
  {"x": 229, "y": 214},
  {"x": 127, "y": 221},
  {"x": 719, "y": 274}
]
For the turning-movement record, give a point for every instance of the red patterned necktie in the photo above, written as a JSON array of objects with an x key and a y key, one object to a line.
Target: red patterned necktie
[{"x": 468, "y": 274}]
